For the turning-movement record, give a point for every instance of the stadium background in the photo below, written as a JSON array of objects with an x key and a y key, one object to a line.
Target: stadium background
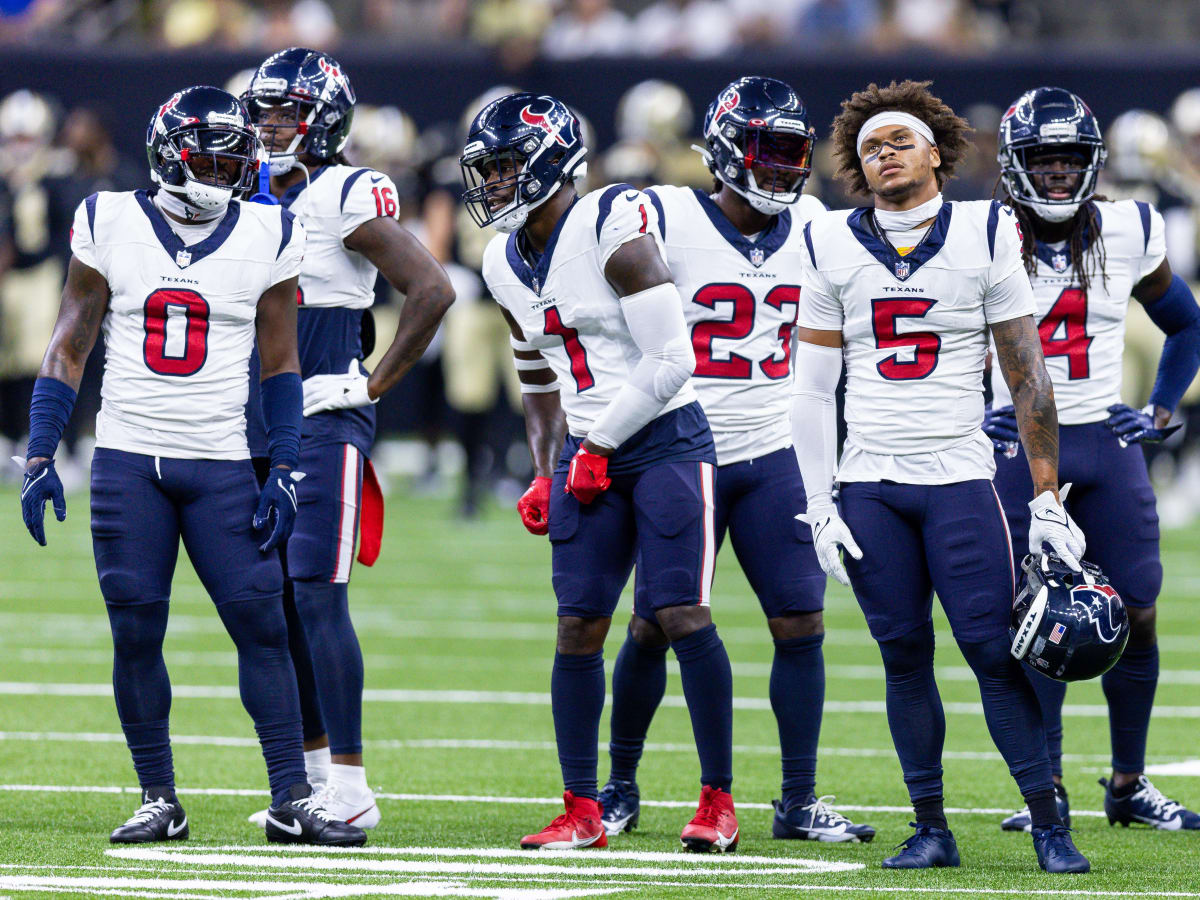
[{"x": 78, "y": 81}]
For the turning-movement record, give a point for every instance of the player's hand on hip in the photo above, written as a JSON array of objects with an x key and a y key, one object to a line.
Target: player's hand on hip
[
  {"x": 277, "y": 508},
  {"x": 1136, "y": 426},
  {"x": 1049, "y": 523},
  {"x": 326, "y": 392},
  {"x": 534, "y": 506},
  {"x": 588, "y": 477},
  {"x": 831, "y": 536},
  {"x": 41, "y": 484},
  {"x": 1000, "y": 424}
]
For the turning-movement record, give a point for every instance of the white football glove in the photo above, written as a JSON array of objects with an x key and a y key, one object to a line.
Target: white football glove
[
  {"x": 326, "y": 392},
  {"x": 831, "y": 535},
  {"x": 1050, "y": 523}
]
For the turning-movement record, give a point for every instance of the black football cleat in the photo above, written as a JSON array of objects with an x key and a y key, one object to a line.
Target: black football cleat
[
  {"x": 621, "y": 803},
  {"x": 303, "y": 820},
  {"x": 930, "y": 847},
  {"x": 816, "y": 820},
  {"x": 159, "y": 818},
  {"x": 1056, "y": 851},
  {"x": 1148, "y": 806}
]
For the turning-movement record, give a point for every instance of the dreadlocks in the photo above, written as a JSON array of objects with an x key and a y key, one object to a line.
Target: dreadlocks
[
  {"x": 949, "y": 130},
  {"x": 1085, "y": 247}
]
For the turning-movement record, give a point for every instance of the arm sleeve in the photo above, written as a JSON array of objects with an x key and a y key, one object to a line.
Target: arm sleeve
[
  {"x": 291, "y": 249},
  {"x": 630, "y": 215},
  {"x": 655, "y": 321},
  {"x": 368, "y": 195},
  {"x": 819, "y": 307},
  {"x": 1156, "y": 245},
  {"x": 83, "y": 240},
  {"x": 814, "y": 420}
]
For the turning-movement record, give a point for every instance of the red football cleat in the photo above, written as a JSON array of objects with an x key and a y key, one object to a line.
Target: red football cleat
[
  {"x": 578, "y": 827},
  {"x": 714, "y": 827}
]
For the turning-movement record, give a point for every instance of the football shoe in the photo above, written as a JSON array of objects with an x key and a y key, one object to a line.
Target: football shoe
[
  {"x": 714, "y": 827},
  {"x": 927, "y": 848},
  {"x": 620, "y": 802},
  {"x": 1148, "y": 806},
  {"x": 260, "y": 818},
  {"x": 575, "y": 829},
  {"x": 159, "y": 818},
  {"x": 303, "y": 820},
  {"x": 1022, "y": 821},
  {"x": 816, "y": 820},
  {"x": 353, "y": 808},
  {"x": 1056, "y": 851}
]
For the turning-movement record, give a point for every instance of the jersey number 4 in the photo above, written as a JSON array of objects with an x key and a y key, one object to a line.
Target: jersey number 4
[
  {"x": 176, "y": 323},
  {"x": 1067, "y": 318},
  {"x": 739, "y": 327}
]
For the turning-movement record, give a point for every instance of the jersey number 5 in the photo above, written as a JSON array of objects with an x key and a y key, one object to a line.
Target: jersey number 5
[
  {"x": 924, "y": 344},
  {"x": 166, "y": 350}
]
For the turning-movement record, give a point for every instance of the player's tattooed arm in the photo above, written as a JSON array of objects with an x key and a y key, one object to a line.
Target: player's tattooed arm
[
  {"x": 84, "y": 303},
  {"x": 545, "y": 424},
  {"x": 411, "y": 270},
  {"x": 276, "y": 327},
  {"x": 1019, "y": 350}
]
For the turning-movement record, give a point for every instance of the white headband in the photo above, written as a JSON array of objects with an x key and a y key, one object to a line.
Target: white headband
[{"x": 893, "y": 117}]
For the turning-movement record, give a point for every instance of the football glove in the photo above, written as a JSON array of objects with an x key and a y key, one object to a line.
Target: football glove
[
  {"x": 1050, "y": 523},
  {"x": 326, "y": 392},
  {"x": 1000, "y": 424},
  {"x": 534, "y": 506},
  {"x": 588, "y": 477},
  {"x": 277, "y": 504},
  {"x": 1136, "y": 426},
  {"x": 831, "y": 535},
  {"x": 41, "y": 484}
]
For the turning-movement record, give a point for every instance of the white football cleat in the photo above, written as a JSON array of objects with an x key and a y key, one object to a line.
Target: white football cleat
[{"x": 352, "y": 807}]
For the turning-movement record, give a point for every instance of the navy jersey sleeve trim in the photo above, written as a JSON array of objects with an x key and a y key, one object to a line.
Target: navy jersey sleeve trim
[
  {"x": 90, "y": 205},
  {"x": 349, "y": 183},
  {"x": 286, "y": 219},
  {"x": 808, "y": 242},
  {"x": 656, "y": 202},
  {"x": 606, "y": 202},
  {"x": 1144, "y": 212},
  {"x": 992, "y": 221}
]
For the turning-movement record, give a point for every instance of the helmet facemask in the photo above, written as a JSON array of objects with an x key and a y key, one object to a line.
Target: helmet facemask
[
  {"x": 505, "y": 201},
  {"x": 271, "y": 114},
  {"x": 1023, "y": 172},
  {"x": 215, "y": 162},
  {"x": 766, "y": 166}
]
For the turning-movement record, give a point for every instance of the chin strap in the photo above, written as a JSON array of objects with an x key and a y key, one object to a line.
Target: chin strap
[{"x": 169, "y": 201}]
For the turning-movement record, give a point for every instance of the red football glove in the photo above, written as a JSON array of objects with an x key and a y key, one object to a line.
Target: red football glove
[
  {"x": 588, "y": 476},
  {"x": 534, "y": 506}
]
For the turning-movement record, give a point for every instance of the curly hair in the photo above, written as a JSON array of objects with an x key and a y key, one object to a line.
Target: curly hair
[{"x": 949, "y": 130}]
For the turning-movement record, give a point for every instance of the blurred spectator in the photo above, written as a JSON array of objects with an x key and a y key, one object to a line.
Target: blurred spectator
[
  {"x": 941, "y": 24},
  {"x": 762, "y": 24},
  {"x": 695, "y": 28},
  {"x": 304, "y": 23},
  {"x": 588, "y": 28},
  {"x": 654, "y": 127},
  {"x": 837, "y": 22},
  {"x": 513, "y": 28},
  {"x": 186, "y": 23}
]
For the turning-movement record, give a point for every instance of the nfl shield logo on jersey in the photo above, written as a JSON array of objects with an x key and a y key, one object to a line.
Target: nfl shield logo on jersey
[
  {"x": 1059, "y": 261},
  {"x": 183, "y": 259},
  {"x": 902, "y": 269},
  {"x": 756, "y": 256}
]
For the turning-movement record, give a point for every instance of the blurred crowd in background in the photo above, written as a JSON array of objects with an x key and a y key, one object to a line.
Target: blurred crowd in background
[{"x": 458, "y": 412}]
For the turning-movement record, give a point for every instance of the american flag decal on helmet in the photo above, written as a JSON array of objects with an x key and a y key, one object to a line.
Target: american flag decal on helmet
[{"x": 1057, "y": 632}]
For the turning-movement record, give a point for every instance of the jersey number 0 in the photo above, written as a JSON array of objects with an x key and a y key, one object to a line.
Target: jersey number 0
[{"x": 167, "y": 354}]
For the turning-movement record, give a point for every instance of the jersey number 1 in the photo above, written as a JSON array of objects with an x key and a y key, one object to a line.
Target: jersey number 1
[
  {"x": 575, "y": 352},
  {"x": 193, "y": 310}
]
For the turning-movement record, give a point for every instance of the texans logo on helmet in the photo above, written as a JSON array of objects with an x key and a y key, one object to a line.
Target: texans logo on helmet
[
  {"x": 1094, "y": 600},
  {"x": 729, "y": 101},
  {"x": 542, "y": 121}
]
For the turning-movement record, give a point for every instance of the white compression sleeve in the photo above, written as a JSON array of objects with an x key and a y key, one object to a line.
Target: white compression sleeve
[
  {"x": 655, "y": 321},
  {"x": 814, "y": 419}
]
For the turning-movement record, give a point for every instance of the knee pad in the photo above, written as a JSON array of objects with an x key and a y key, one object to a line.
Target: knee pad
[
  {"x": 909, "y": 653},
  {"x": 138, "y": 628},
  {"x": 991, "y": 657},
  {"x": 256, "y": 624}
]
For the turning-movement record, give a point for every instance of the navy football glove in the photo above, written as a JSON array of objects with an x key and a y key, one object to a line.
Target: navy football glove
[
  {"x": 1000, "y": 425},
  {"x": 277, "y": 503},
  {"x": 41, "y": 484},
  {"x": 1136, "y": 426}
]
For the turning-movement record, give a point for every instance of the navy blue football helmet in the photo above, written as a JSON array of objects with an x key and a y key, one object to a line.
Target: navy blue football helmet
[
  {"x": 759, "y": 142},
  {"x": 306, "y": 90},
  {"x": 1067, "y": 625},
  {"x": 528, "y": 145},
  {"x": 1050, "y": 120},
  {"x": 202, "y": 147}
]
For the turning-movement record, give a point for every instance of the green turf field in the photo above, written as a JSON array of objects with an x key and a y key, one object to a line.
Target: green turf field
[{"x": 457, "y": 625}]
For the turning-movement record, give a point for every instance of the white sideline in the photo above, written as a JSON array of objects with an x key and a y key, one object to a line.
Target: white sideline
[{"x": 535, "y": 698}]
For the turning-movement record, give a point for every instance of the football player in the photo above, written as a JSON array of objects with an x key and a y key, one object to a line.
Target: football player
[
  {"x": 302, "y": 104},
  {"x": 1086, "y": 256},
  {"x": 736, "y": 257},
  {"x": 903, "y": 293},
  {"x": 598, "y": 335},
  {"x": 180, "y": 280}
]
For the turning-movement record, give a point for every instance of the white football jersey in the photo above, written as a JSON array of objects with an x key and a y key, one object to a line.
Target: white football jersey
[
  {"x": 1083, "y": 335},
  {"x": 181, "y": 320},
  {"x": 331, "y": 204},
  {"x": 914, "y": 332},
  {"x": 740, "y": 299},
  {"x": 565, "y": 306}
]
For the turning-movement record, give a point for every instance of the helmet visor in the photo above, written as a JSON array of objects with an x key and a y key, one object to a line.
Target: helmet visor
[
  {"x": 224, "y": 157},
  {"x": 780, "y": 161}
]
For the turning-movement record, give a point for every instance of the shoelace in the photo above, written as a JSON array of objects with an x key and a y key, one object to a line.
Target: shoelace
[
  {"x": 820, "y": 808},
  {"x": 148, "y": 811},
  {"x": 1163, "y": 806},
  {"x": 313, "y": 806},
  {"x": 921, "y": 833}
]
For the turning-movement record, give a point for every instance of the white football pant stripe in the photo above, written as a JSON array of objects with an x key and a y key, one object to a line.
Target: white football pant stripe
[
  {"x": 1008, "y": 538},
  {"x": 709, "y": 550},
  {"x": 346, "y": 535}
]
